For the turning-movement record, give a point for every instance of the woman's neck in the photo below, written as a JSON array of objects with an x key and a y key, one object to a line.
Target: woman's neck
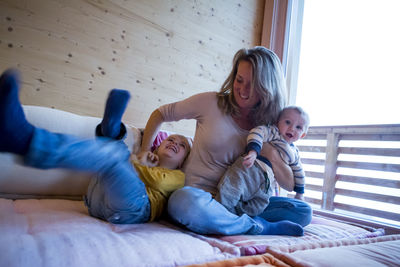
[{"x": 244, "y": 120}]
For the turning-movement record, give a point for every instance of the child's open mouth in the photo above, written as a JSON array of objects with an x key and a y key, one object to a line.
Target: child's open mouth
[{"x": 173, "y": 148}]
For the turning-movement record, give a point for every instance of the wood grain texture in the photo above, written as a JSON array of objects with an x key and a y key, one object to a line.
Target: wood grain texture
[{"x": 71, "y": 53}]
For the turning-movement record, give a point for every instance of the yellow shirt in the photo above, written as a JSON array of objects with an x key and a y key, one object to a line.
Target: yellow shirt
[{"x": 160, "y": 183}]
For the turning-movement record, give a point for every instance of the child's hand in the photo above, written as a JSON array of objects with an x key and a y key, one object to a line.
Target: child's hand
[
  {"x": 299, "y": 196},
  {"x": 152, "y": 159},
  {"x": 249, "y": 159},
  {"x": 148, "y": 158}
]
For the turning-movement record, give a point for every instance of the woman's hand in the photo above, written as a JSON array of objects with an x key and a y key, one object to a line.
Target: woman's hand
[{"x": 283, "y": 173}]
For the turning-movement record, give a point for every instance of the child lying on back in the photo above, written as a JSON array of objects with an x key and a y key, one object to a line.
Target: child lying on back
[{"x": 119, "y": 191}]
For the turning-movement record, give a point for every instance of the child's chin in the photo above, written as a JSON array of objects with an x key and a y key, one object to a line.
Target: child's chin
[{"x": 171, "y": 151}]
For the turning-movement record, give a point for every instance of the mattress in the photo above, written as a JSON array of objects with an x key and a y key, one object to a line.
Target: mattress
[
  {"x": 59, "y": 232},
  {"x": 382, "y": 251}
]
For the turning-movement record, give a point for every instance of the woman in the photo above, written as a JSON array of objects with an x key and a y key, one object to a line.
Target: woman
[{"x": 253, "y": 94}]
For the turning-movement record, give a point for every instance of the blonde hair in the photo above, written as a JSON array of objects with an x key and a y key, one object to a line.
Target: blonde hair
[{"x": 268, "y": 81}]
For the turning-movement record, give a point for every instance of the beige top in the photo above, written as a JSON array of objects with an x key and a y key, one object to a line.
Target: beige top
[{"x": 218, "y": 140}]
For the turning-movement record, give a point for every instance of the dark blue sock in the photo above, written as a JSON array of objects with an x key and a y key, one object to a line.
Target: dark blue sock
[
  {"x": 15, "y": 131},
  {"x": 115, "y": 107},
  {"x": 280, "y": 228}
]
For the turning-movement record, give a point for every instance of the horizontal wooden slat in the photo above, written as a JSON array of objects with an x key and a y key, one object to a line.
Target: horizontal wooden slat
[
  {"x": 389, "y": 152},
  {"x": 318, "y": 149},
  {"x": 356, "y": 129},
  {"x": 380, "y": 133},
  {"x": 370, "y": 166},
  {"x": 368, "y": 181},
  {"x": 313, "y": 161},
  {"x": 313, "y": 201},
  {"x": 371, "y": 137},
  {"x": 367, "y": 211},
  {"x": 366, "y": 195},
  {"x": 318, "y": 175},
  {"x": 315, "y": 136},
  {"x": 313, "y": 187}
]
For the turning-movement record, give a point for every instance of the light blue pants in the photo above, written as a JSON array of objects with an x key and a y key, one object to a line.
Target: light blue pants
[
  {"x": 196, "y": 209},
  {"x": 115, "y": 193}
]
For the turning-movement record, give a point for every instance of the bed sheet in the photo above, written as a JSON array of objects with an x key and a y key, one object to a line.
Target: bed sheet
[
  {"x": 369, "y": 252},
  {"x": 56, "y": 232},
  {"x": 61, "y": 233},
  {"x": 320, "y": 229}
]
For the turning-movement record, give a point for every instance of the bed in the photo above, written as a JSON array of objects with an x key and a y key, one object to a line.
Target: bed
[{"x": 43, "y": 222}]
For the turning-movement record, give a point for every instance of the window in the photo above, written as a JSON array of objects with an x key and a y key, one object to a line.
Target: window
[
  {"x": 348, "y": 64},
  {"x": 342, "y": 65}
]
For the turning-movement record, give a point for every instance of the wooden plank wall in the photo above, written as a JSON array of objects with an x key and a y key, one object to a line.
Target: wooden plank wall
[{"x": 72, "y": 52}]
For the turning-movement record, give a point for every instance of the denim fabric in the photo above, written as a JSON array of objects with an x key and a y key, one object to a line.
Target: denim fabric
[
  {"x": 283, "y": 208},
  {"x": 115, "y": 193},
  {"x": 195, "y": 209}
]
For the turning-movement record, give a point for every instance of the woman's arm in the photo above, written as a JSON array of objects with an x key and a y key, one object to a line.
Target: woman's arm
[
  {"x": 150, "y": 131},
  {"x": 190, "y": 108},
  {"x": 283, "y": 173}
]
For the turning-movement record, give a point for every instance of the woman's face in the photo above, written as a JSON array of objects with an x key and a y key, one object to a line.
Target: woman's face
[{"x": 245, "y": 96}]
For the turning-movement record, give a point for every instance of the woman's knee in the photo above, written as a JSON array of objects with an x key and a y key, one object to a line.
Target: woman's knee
[
  {"x": 186, "y": 204},
  {"x": 180, "y": 202}
]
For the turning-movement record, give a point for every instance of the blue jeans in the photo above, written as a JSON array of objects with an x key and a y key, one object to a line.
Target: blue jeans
[
  {"x": 196, "y": 209},
  {"x": 115, "y": 193}
]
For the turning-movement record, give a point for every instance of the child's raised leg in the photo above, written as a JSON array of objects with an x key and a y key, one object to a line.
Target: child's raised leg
[
  {"x": 116, "y": 193},
  {"x": 111, "y": 125},
  {"x": 121, "y": 194}
]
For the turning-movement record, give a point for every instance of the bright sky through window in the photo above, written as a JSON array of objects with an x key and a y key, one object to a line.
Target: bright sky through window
[{"x": 350, "y": 62}]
